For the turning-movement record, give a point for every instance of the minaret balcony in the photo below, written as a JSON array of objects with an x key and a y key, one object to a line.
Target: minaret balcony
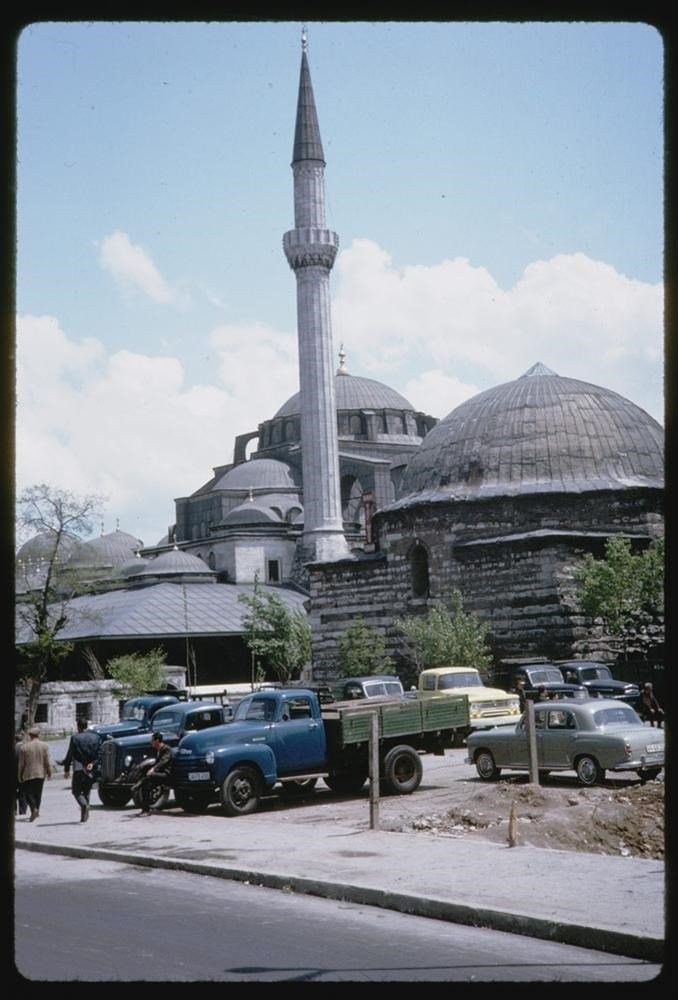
[{"x": 310, "y": 247}]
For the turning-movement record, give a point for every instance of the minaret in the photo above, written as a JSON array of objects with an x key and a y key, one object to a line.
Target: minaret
[{"x": 310, "y": 249}]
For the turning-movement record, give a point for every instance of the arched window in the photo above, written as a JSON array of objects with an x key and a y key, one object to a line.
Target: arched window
[
  {"x": 357, "y": 425},
  {"x": 211, "y": 561},
  {"x": 419, "y": 570}
]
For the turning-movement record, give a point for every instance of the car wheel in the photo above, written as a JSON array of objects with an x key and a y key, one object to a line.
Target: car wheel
[
  {"x": 402, "y": 770},
  {"x": 193, "y": 802},
  {"x": 589, "y": 771},
  {"x": 486, "y": 767},
  {"x": 648, "y": 775},
  {"x": 241, "y": 791},
  {"x": 298, "y": 789},
  {"x": 114, "y": 798}
]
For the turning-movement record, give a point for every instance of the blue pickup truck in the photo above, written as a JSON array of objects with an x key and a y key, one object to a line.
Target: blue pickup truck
[
  {"x": 283, "y": 740},
  {"x": 120, "y": 757}
]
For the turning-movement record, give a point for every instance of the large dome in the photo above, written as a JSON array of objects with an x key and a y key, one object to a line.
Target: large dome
[
  {"x": 354, "y": 393},
  {"x": 539, "y": 433}
]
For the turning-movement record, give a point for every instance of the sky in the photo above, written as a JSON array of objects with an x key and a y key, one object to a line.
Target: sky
[{"x": 497, "y": 189}]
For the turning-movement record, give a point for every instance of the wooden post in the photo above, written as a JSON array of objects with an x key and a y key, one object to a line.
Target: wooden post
[
  {"x": 531, "y": 741},
  {"x": 374, "y": 770}
]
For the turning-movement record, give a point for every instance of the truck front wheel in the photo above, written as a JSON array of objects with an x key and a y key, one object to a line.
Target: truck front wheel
[
  {"x": 241, "y": 791},
  {"x": 402, "y": 770},
  {"x": 115, "y": 797}
]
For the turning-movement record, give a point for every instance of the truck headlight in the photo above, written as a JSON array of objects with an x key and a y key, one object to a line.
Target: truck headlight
[
  {"x": 513, "y": 706},
  {"x": 474, "y": 711},
  {"x": 127, "y": 760},
  {"x": 209, "y": 757}
]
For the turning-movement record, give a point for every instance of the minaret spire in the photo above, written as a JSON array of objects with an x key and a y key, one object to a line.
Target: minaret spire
[{"x": 310, "y": 249}]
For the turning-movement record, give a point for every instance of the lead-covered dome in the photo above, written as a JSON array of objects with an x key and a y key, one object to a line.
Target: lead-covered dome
[
  {"x": 257, "y": 474},
  {"x": 354, "y": 393},
  {"x": 107, "y": 551},
  {"x": 539, "y": 433}
]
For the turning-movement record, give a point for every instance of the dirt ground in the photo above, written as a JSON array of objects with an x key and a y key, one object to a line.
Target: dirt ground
[{"x": 619, "y": 817}]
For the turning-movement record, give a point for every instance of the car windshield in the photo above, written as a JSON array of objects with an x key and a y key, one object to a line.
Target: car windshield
[
  {"x": 545, "y": 675},
  {"x": 596, "y": 673},
  {"x": 167, "y": 722},
  {"x": 136, "y": 713},
  {"x": 623, "y": 715},
  {"x": 470, "y": 678}
]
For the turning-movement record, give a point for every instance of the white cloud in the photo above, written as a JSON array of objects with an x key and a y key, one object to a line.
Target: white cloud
[
  {"x": 578, "y": 316},
  {"x": 133, "y": 268},
  {"x": 128, "y": 425}
]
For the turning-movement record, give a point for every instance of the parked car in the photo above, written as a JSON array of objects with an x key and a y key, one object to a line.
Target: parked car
[
  {"x": 589, "y": 737},
  {"x": 597, "y": 677},
  {"x": 373, "y": 686},
  {"x": 548, "y": 677},
  {"x": 488, "y": 707}
]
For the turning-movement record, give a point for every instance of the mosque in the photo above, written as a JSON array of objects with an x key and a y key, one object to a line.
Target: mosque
[{"x": 352, "y": 503}]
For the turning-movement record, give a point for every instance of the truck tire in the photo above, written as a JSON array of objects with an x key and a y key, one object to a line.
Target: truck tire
[
  {"x": 114, "y": 798},
  {"x": 346, "y": 784},
  {"x": 589, "y": 771},
  {"x": 298, "y": 789},
  {"x": 402, "y": 770},
  {"x": 485, "y": 766},
  {"x": 241, "y": 791},
  {"x": 193, "y": 802}
]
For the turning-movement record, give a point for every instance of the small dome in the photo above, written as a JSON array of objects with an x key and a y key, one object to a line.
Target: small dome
[
  {"x": 175, "y": 563},
  {"x": 41, "y": 546},
  {"x": 134, "y": 566},
  {"x": 111, "y": 550},
  {"x": 539, "y": 433},
  {"x": 273, "y": 508},
  {"x": 257, "y": 474},
  {"x": 354, "y": 393}
]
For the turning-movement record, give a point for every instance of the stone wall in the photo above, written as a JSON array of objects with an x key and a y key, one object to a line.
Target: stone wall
[{"x": 513, "y": 559}]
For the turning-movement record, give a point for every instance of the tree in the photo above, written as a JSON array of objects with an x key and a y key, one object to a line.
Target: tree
[
  {"x": 625, "y": 590},
  {"x": 362, "y": 650},
  {"x": 444, "y": 637},
  {"x": 57, "y": 516},
  {"x": 275, "y": 634},
  {"x": 138, "y": 672}
]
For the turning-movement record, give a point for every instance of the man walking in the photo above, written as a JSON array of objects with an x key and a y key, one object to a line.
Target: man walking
[
  {"x": 82, "y": 756},
  {"x": 33, "y": 767}
]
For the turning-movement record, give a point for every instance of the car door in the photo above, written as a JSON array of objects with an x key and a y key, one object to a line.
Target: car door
[
  {"x": 556, "y": 737},
  {"x": 299, "y": 737}
]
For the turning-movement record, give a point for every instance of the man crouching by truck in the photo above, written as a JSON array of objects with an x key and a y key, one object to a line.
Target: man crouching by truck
[{"x": 158, "y": 774}]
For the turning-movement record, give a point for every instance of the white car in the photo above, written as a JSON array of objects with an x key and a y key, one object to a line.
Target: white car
[{"x": 589, "y": 737}]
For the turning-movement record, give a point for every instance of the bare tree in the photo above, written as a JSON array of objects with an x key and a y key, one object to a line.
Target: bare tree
[{"x": 57, "y": 517}]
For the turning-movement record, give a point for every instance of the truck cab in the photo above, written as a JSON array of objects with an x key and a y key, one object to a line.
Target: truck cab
[{"x": 488, "y": 707}]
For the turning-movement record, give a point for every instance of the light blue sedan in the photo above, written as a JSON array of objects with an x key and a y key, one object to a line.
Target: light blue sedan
[{"x": 589, "y": 737}]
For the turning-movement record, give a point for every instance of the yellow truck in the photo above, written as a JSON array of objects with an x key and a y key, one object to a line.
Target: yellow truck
[{"x": 488, "y": 707}]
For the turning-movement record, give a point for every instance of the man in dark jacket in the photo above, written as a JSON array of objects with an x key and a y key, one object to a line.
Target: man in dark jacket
[
  {"x": 156, "y": 775},
  {"x": 82, "y": 757}
]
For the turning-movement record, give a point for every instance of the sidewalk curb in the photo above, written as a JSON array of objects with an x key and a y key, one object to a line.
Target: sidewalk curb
[{"x": 646, "y": 948}]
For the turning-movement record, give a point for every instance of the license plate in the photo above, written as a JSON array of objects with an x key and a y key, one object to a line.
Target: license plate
[
  {"x": 654, "y": 748},
  {"x": 198, "y": 776}
]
